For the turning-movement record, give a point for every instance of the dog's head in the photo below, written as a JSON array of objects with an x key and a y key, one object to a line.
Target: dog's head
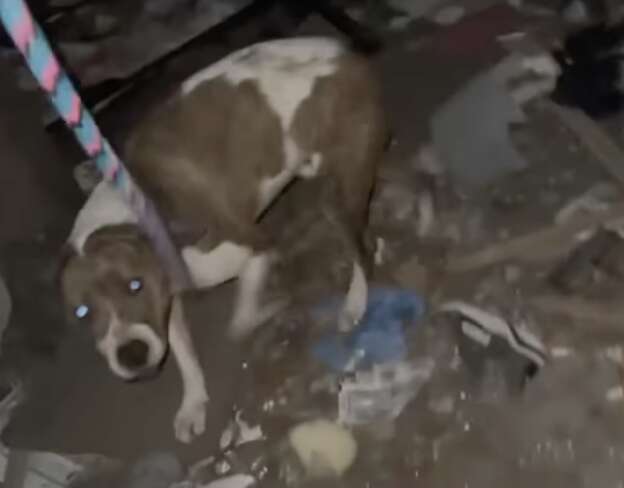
[{"x": 118, "y": 288}]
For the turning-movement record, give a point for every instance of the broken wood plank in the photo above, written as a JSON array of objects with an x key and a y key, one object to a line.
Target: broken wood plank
[
  {"x": 608, "y": 314},
  {"x": 593, "y": 137},
  {"x": 539, "y": 246}
]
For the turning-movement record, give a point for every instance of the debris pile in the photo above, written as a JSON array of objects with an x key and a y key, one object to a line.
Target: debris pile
[{"x": 492, "y": 348}]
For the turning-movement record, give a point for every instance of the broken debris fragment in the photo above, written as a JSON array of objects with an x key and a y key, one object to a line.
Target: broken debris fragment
[
  {"x": 481, "y": 326},
  {"x": 577, "y": 271},
  {"x": 477, "y": 154},
  {"x": 382, "y": 393}
]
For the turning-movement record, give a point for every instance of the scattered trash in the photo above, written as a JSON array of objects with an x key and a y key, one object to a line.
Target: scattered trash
[
  {"x": 324, "y": 448},
  {"x": 481, "y": 326},
  {"x": 434, "y": 398},
  {"x": 379, "y": 337},
  {"x": 239, "y": 432},
  {"x": 382, "y": 393}
]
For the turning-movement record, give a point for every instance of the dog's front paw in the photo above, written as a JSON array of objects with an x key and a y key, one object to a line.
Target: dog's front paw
[{"x": 190, "y": 421}]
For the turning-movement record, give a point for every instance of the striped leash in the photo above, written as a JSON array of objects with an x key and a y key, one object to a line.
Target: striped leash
[{"x": 32, "y": 43}]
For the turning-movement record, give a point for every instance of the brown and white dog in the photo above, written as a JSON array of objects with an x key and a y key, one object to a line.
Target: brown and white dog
[{"x": 214, "y": 158}]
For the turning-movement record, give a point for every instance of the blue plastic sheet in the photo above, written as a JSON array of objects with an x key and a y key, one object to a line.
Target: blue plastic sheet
[{"x": 380, "y": 336}]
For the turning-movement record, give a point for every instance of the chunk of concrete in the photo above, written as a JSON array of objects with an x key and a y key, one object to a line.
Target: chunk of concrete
[{"x": 470, "y": 131}]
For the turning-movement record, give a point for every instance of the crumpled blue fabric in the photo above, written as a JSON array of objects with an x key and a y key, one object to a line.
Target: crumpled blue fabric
[{"x": 380, "y": 335}]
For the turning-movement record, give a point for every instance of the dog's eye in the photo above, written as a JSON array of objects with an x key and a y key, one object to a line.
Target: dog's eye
[
  {"x": 81, "y": 311},
  {"x": 135, "y": 285}
]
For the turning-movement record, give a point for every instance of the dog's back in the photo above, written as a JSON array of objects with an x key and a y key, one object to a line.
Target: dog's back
[{"x": 220, "y": 151}]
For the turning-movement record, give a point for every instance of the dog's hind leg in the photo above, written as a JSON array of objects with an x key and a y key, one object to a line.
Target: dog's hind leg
[
  {"x": 346, "y": 206},
  {"x": 354, "y": 170},
  {"x": 352, "y": 235}
]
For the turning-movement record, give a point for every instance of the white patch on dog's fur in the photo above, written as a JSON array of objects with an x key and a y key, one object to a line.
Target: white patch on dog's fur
[
  {"x": 118, "y": 335},
  {"x": 312, "y": 167},
  {"x": 271, "y": 187},
  {"x": 286, "y": 72},
  {"x": 356, "y": 301},
  {"x": 104, "y": 207},
  {"x": 216, "y": 266},
  {"x": 190, "y": 419},
  {"x": 296, "y": 166}
]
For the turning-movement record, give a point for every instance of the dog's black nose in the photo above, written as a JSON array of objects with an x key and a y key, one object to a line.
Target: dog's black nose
[{"x": 133, "y": 354}]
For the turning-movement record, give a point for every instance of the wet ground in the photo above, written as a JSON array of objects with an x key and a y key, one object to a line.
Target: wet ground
[{"x": 523, "y": 389}]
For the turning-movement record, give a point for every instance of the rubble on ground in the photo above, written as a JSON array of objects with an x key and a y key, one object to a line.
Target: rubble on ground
[{"x": 493, "y": 352}]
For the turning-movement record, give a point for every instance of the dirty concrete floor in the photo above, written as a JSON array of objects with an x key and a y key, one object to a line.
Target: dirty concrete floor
[{"x": 482, "y": 419}]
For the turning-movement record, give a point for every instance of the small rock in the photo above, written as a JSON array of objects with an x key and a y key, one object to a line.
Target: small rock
[
  {"x": 449, "y": 15},
  {"x": 324, "y": 448}
]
